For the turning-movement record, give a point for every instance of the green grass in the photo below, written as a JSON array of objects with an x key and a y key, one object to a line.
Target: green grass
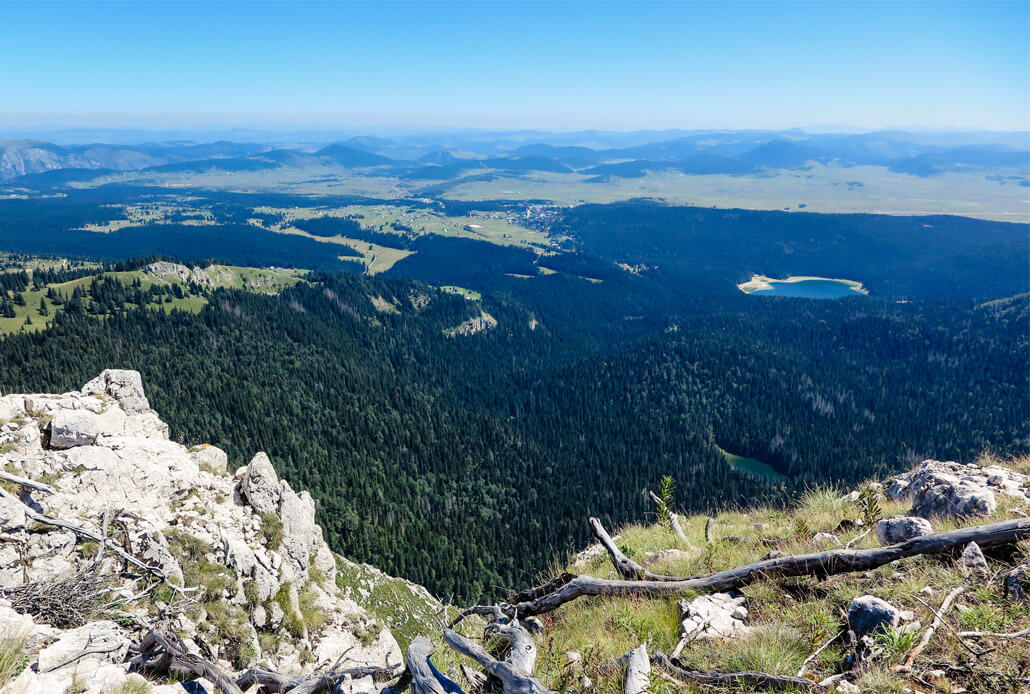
[
  {"x": 789, "y": 618},
  {"x": 14, "y": 655}
]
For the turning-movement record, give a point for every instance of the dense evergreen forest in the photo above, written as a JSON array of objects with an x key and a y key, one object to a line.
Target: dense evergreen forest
[
  {"x": 466, "y": 463},
  {"x": 623, "y": 352}
]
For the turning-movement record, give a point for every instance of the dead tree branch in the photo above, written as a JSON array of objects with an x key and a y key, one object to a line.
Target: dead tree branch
[
  {"x": 928, "y": 634},
  {"x": 626, "y": 567},
  {"x": 27, "y": 483},
  {"x": 160, "y": 654},
  {"x": 68, "y": 600},
  {"x": 523, "y": 650},
  {"x": 820, "y": 565},
  {"x": 81, "y": 532}
]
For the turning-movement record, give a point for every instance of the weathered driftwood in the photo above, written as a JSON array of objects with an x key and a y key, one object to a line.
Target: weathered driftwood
[
  {"x": 513, "y": 681},
  {"x": 322, "y": 681},
  {"x": 29, "y": 484},
  {"x": 928, "y": 634},
  {"x": 161, "y": 654},
  {"x": 424, "y": 677},
  {"x": 755, "y": 679},
  {"x": 939, "y": 617},
  {"x": 626, "y": 567},
  {"x": 638, "y": 671},
  {"x": 523, "y": 650},
  {"x": 820, "y": 564},
  {"x": 81, "y": 532}
]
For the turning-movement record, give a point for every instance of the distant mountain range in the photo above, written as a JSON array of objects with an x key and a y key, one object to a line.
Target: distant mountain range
[{"x": 450, "y": 156}]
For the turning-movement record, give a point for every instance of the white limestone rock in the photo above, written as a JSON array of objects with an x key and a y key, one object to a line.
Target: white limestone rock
[
  {"x": 211, "y": 457},
  {"x": 261, "y": 485},
  {"x": 123, "y": 385},
  {"x": 719, "y": 615},
  {"x": 103, "y": 636},
  {"x": 946, "y": 488},
  {"x": 12, "y": 515}
]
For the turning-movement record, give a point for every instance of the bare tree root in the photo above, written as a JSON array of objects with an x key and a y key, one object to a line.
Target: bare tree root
[{"x": 513, "y": 680}]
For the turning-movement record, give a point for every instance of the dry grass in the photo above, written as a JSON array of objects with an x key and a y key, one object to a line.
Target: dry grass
[{"x": 791, "y": 618}]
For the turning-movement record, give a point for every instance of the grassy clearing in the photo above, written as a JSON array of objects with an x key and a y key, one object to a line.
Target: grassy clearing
[
  {"x": 469, "y": 294},
  {"x": 30, "y": 318},
  {"x": 496, "y": 227},
  {"x": 791, "y": 618}
]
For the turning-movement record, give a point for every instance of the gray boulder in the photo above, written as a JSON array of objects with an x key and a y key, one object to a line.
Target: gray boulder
[
  {"x": 973, "y": 561},
  {"x": 70, "y": 428},
  {"x": 261, "y": 485},
  {"x": 1017, "y": 583},
  {"x": 153, "y": 549},
  {"x": 946, "y": 489},
  {"x": 869, "y": 615},
  {"x": 211, "y": 457},
  {"x": 12, "y": 515},
  {"x": 894, "y": 530},
  {"x": 300, "y": 532}
]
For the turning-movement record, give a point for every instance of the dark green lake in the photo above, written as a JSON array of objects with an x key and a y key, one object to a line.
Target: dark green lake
[{"x": 752, "y": 466}]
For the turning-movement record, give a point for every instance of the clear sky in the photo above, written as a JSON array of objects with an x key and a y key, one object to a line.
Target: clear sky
[{"x": 560, "y": 65}]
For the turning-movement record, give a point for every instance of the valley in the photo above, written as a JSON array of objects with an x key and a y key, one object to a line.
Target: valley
[{"x": 413, "y": 345}]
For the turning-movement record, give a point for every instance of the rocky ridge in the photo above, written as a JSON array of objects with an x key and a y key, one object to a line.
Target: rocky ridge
[{"x": 234, "y": 563}]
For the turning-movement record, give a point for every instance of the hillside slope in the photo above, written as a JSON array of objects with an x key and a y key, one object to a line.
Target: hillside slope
[{"x": 110, "y": 530}]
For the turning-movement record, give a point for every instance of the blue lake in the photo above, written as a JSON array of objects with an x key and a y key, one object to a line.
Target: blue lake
[{"x": 809, "y": 289}]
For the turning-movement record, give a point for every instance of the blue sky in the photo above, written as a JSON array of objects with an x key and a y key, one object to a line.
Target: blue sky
[{"x": 560, "y": 65}]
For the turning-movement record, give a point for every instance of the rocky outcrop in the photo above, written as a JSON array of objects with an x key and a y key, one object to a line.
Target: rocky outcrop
[
  {"x": 257, "y": 579},
  {"x": 204, "y": 277},
  {"x": 945, "y": 489}
]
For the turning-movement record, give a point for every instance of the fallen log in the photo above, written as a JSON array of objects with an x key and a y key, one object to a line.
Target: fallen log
[
  {"x": 513, "y": 681},
  {"x": 626, "y": 567},
  {"x": 762, "y": 680},
  {"x": 426, "y": 679},
  {"x": 275, "y": 683},
  {"x": 820, "y": 565}
]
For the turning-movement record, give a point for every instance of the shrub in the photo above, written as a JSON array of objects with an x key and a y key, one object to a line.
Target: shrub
[{"x": 272, "y": 529}]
